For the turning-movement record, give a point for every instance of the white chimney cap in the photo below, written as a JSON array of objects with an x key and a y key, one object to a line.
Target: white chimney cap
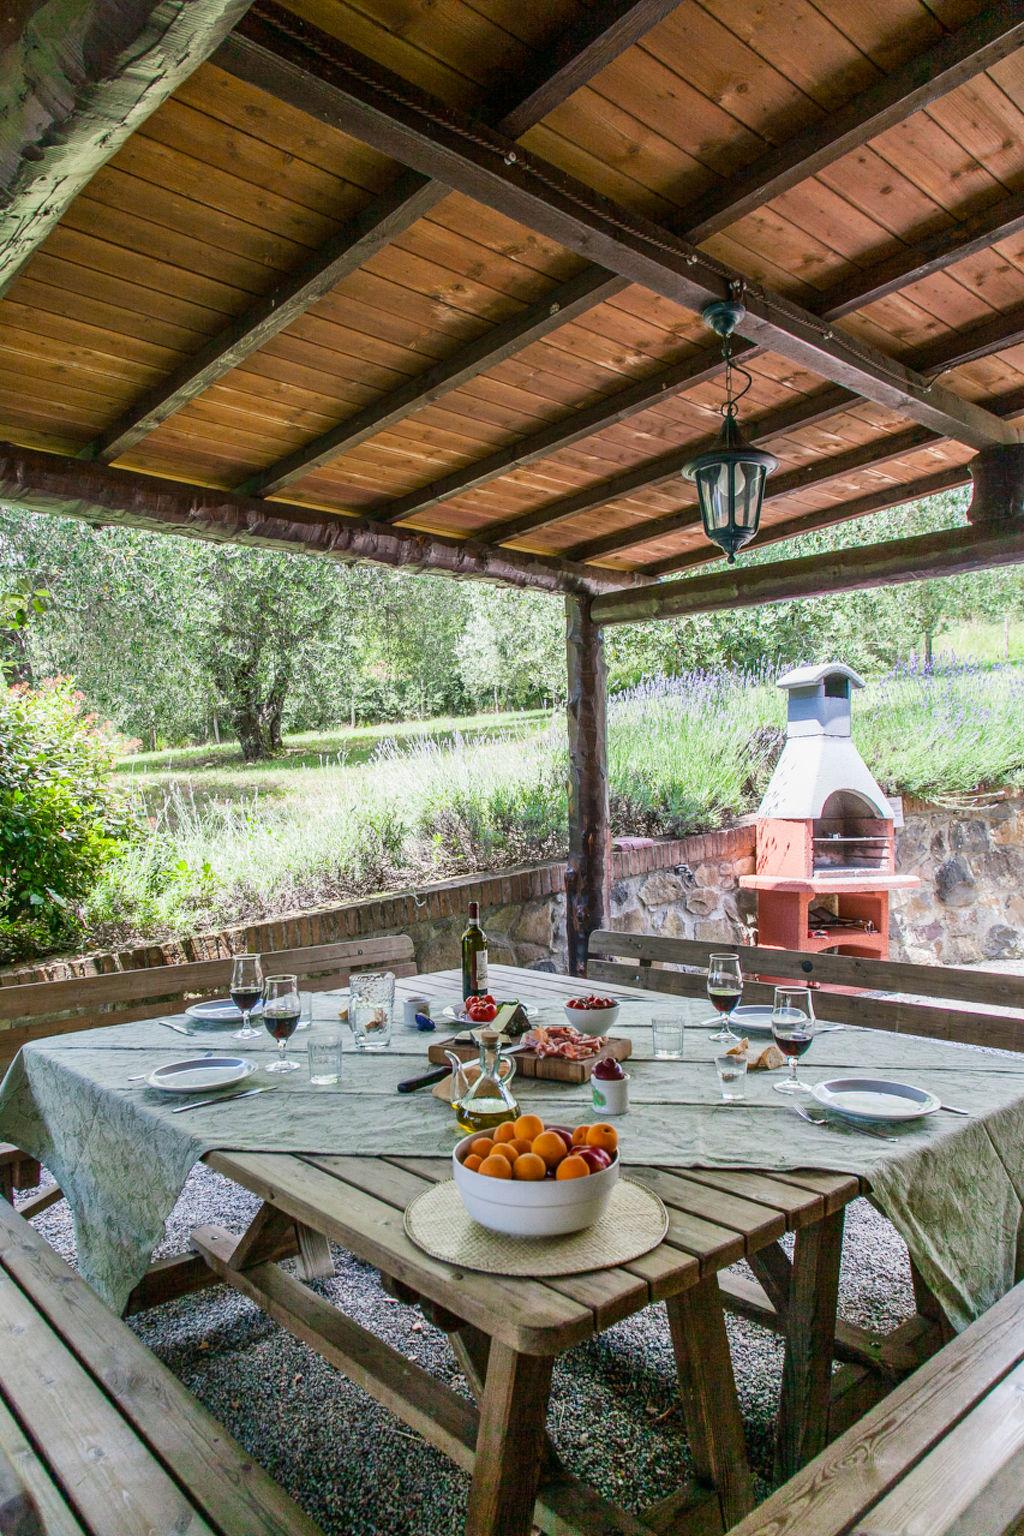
[{"x": 809, "y": 677}]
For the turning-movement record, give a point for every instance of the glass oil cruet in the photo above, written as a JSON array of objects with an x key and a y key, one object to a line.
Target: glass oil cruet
[{"x": 486, "y": 1101}]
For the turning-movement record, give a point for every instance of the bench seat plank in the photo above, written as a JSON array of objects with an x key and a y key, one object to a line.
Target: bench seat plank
[
  {"x": 27, "y": 1473},
  {"x": 842, "y": 1489},
  {"x": 134, "y": 1394}
]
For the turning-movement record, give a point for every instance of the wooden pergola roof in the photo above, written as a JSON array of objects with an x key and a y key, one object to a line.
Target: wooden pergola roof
[{"x": 432, "y": 272}]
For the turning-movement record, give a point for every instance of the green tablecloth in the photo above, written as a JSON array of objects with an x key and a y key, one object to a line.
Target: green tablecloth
[{"x": 954, "y": 1188}]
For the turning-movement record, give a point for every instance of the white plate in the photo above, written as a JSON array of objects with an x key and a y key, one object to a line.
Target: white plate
[
  {"x": 875, "y": 1098},
  {"x": 752, "y": 1019},
  {"x": 200, "y": 1073},
  {"x": 221, "y": 1010}
]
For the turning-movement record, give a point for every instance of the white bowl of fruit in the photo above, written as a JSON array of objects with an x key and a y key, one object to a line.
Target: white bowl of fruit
[
  {"x": 592, "y": 1015},
  {"x": 532, "y": 1180}
]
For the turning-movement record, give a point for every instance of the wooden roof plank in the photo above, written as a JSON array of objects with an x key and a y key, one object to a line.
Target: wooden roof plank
[
  {"x": 952, "y": 59},
  {"x": 398, "y": 120},
  {"x": 77, "y": 83},
  {"x": 586, "y": 49}
]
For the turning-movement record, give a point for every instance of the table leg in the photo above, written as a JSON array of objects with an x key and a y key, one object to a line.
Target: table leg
[
  {"x": 510, "y": 1445},
  {"x": 810, "y": 1344},
  {"x": 707, "y": 1386}
]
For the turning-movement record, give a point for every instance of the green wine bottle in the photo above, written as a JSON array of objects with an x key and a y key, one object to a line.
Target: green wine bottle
[{"x": 474, "y": 955}]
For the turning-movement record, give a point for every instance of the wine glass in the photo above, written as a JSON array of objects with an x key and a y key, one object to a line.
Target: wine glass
[
  {"x": 793, "y": 1030},
  {"x": 725, "y": 988},
  {"x": 246, "y": 991},
  {"x": 282, "y": 1007}
]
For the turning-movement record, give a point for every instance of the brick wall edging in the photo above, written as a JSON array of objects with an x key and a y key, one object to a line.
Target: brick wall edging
[{"x": 390, "y": 913}]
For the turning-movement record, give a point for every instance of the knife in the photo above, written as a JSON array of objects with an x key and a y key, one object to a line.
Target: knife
[
  {"x": 222, "y": 1098},
  {"x": 179, "y": 1027},
  {"x": 425, "y": 1080}
]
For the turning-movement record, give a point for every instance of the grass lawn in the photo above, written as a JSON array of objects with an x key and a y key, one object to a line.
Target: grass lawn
[{"x": 347, "y": 813}]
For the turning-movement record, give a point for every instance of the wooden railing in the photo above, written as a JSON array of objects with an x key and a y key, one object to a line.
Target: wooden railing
[
  {"x": 849, "y": 989},
  {"x": 41, "y": 1008}
]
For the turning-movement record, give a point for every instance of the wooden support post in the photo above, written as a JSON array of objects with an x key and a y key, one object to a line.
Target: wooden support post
[
  {"x": 708, "y": 1391},
  {"x": 810, "y": 1344},
  {"x": 510, "y": 1446},
  {"x": 588, "y": 872}
]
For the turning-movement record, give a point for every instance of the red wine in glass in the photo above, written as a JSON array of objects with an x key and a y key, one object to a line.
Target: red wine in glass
[
  {"x": 281, "y": 1025},
  {"x": 282, "y": 1010},
  {"x": 725, "y": 1002},
  {"x": 246, "y": 1001},
  {"x": 246, "y": 988},
  {"x": 794, "y": 1044},
  {"x": 725, "y": 988},
  {"x": 793, "y": 1032}
]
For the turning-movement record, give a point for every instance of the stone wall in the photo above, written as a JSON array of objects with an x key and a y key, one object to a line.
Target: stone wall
[
  {"x": 687, "y": 887},
  {"x": 970, "y": 906}
]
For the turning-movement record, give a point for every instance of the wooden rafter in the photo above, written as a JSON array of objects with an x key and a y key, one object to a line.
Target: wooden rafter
[
  {"x": 76, "y": 80},
  {"x": 817, "y": 472},
  {"x": 963, "y": 53},
  {"x": 897, "y": 495},
  {"x": 651, "y": 473},
  {"x": 586, "y": 49},
  {"x": 995, "y": 335},
  {"x": 949, "y": 553},
  {"x": 313, "y": 72},
  {"x": 69, "y": 487}
]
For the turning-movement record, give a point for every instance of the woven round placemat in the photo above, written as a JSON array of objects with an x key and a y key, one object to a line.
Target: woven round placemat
[{"x": 634, "y": 1222}]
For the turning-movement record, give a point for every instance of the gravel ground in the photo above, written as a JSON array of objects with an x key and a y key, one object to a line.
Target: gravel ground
[{"x": 359, "y": 1472}]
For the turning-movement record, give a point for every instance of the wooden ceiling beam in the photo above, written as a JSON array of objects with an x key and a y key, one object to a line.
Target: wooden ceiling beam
[
  {"x": 997, "y": 334},
  {"x": 949, "y": 553},
  {"x": 315, "y": 73},
  {"x": 818, "y": 472},
  {"x": 651, "y": 473},
  {"x": 77, "y": 77},
  {"x": 969, "y": 50},
  {"x": 70, "y": 487},
  {"x": 585, "y": 49},
  {"x": 824, "y": 517},
  {"x": 913, "y": 263}
]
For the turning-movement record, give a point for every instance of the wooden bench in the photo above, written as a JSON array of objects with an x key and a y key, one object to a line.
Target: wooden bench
[
  {"x": 97, "y": 1437},
  {"x": 841, "y": 983},
  {"x": 32, "y": 1010},
  {"x": 941, "y": 1455}
]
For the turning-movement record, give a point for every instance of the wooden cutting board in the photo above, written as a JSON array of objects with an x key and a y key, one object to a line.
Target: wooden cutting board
[{"x": 529, "y": 1064}]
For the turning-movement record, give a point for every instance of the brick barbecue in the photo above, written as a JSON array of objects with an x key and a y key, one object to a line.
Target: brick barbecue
[{"x": 826, "y": 834}]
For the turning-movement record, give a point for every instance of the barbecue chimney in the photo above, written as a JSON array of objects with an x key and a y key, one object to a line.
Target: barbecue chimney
[{"x": 826, "y": 847}]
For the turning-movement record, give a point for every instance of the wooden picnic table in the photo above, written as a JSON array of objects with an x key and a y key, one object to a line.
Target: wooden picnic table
[{"x": 507, "y": 1332}]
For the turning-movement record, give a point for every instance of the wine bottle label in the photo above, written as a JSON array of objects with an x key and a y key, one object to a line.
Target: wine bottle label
[{"x": 481, "y": 970}]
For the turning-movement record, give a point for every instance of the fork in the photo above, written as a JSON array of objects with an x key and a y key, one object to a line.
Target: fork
[{"x": 828, "y": 1126}]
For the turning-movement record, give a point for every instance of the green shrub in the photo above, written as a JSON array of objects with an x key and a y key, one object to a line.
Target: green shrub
[{"x": 61, "y": 817}]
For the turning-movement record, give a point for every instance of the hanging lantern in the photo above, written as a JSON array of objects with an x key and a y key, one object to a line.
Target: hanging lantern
[{"x": 730, "y": 477}]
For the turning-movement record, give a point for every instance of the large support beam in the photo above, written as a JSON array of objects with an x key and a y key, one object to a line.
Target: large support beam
[
  {"x": 45, "y": 482},
  {"x": 76, "y": 79},
  {"x": 315, "y": 73},
  {"x": 949, "y": 553},
  {"x": 588, "y": 872},
  {"x": 896, "y": 495},
  {"x": 585, "y": 50},
  {"x": 890, "y": 101}
]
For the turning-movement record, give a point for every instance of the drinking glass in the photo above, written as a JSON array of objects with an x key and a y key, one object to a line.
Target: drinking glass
[
  {"x": 306, "y": 1015},
  {"x": 325, "y": 1053},
  {"x": 668, "y": 1035},
  {"x": 732, "y": 1077},
  {"x": 792, "y": 1031},
  {"x": 246, "y": 991},
  {"x": 725, "y": 988},
  {"x": 281, "y": 1009},
  {"x": 371, "y": 1007}
]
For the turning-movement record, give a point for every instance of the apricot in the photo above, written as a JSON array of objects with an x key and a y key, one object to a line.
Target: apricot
[
  {"x": 579, "y": 1136},
  {"x": 496, "y": 1167},
  {"x": 529, "y": 1166},
  {"x": 604, "y": 1136},
  {"x": 550, "y": 1146},
  {"x": 504, "y": 1132},
  {"x": 472, "y": 1162},
  {"x": 528, "y": 1128},
  {"x": 572, "y": 1167},
  {"x": 506, "y": 1149},
  {"x": 520, "y": 1147},
  {"x": 483, "y": 1146}
]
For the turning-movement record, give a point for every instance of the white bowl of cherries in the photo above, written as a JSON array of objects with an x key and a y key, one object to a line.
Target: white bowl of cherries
[{"x": 592, "y": 1015}]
